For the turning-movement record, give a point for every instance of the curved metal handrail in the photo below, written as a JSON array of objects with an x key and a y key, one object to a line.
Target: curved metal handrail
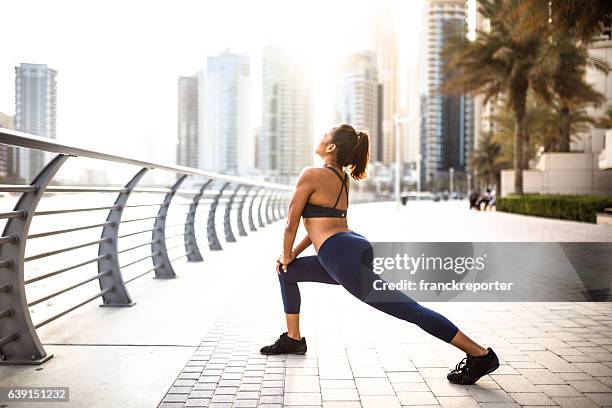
[
  {"x": 16, "y": 138},
  {"x": 19, "y": 341}
]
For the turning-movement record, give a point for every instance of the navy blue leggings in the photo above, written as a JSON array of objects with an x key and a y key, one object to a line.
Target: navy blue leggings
[{"x": 346, "y": 259}]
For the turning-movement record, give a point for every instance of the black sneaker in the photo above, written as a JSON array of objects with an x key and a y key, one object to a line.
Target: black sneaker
[
  {"x": 470, "y": 369},
  {"x": 285, "y": 345}
]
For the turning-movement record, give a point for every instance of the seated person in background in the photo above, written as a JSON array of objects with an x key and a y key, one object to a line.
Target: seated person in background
[
  {"x": 485, "y": 199},
  {"x": 491, "y": 202},
  {"x": 474, "y": 196}
]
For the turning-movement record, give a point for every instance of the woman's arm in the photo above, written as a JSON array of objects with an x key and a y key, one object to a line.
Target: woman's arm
[
  {"x": 305, "y": 243},
  {"x": 303, "y": 189}
]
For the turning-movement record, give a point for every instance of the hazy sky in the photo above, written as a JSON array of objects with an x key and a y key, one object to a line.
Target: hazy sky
[{"x": 118, "y": 61}]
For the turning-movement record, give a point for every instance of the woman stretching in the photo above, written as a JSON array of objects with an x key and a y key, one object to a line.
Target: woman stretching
[{"x": 342, "y": 254}]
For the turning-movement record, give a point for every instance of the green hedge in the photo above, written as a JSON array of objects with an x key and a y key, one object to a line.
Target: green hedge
[{"x": 565, "y": 207}]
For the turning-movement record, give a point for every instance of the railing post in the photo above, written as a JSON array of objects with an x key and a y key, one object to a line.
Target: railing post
[
  {"x": 284, "y": 205},
  {"x": 277, "y": 203},
  {"x": 19, "y": 342},
  {"x": 191, "y": 244},
  {"x": 251, "y": 222},
  {"x": 118, "y": 295},
  {"x": 272, "y": 205},
  {"x": 163, "y": 267},
  {"x": 211, "y": 229},
  {"x": 227, "y": 225},
  {"x": 261, "y": 208},
  {"x": 269, "y": 202},
  {"x": 241, "y": 231}
]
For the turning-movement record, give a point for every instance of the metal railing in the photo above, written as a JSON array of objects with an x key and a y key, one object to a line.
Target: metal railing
[{"x": 19, "y": 341}]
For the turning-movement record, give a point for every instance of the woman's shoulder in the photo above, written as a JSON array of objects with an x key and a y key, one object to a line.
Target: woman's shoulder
[{"x": 311, "y": 170}]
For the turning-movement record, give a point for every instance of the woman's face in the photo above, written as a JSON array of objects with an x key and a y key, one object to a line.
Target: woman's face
[{"x": 324, "y": 145}]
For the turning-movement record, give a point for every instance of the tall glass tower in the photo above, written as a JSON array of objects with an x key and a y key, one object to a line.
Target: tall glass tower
[
  {"x": 35, "y": 112},
  {"x": 450, "y": 119},
  {"x": 227, "y": 143}
]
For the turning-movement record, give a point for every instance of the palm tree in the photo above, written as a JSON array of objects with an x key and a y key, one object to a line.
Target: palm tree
[
  {"x": 541, "y": 126},
  {"x": 560, "y": 80},
  {"x": 539, "y": 129},
  {"x": 605, "y": 122},
  {"x": 496, "y": 63},
  {"x": 488, "y": 161},
  {"x": 586, "y": 18}
]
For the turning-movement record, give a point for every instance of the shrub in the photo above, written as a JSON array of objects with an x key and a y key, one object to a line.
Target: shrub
[{"x": 566, "y": 207}]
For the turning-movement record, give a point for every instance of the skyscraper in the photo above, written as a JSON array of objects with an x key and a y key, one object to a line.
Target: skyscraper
[
  {"x": 188, "y": 136},
  {"x": 35, "y": 112},
  {"x": 8, "y": 167},
  {"x": 224, "y": 101},
  {"x": 387, "y": 65},
  {"x": 450, "y": 122},
  {"x": 357, "y": 95},
  {"x": 287, "y": 114}
]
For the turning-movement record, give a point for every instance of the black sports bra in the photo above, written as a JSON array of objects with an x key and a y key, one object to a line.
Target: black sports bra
[{"x": 315, "y": 210}]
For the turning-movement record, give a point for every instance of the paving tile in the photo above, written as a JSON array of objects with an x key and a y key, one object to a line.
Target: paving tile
[
  {"x": 302, "y": 383},
  {"x": 302, "y": 371},
  {"x": 409, "y": 387},
  {"x": 247, "y": 395},
  {"x": 339, "y": 394},
  {"x": 458, "y": 402},
  {"x": 249, "y": 387},
  {"x": 380, "y": 401},
  {"x": 223, "y": 398},
  {"x": 374, "y": 386},
  {"x": 176, "y": 397},
  {"x": 594, "y": 369},
  {"x": 272, "y": 391},
  {"x": 541, "y": 376},
  {"x": 341, "y": 404},
  {"x": 272, "y": 384},
  {"x": 443, "y": 388},
  {"x": 590, "y": 386},
  {"x": 407, "y": 376},
  {"x": 559, "y": 390},
  {"x": 226, "y": 390},
  {"x": 368, "y": 372},
  {"x": 179, "y": 390},
  {"x": 488, "y": 395},
  {"x": 338, "y": 383},
  {"x": 514, "y": 383},
  {"x": 417, "y": 398},
  {"x": 302, "y": 398},
  {"x": 575, "y": 376},
  {"x": 201, "y": 394},
  {"x": 532, "y": 398},
  {"x": 575, "y": 402},
  {"x": 198, "y": 402},
  {"x": 271, "y": 399},
  {"x": 171, "y": 405},
  {"x": 246, "y": 403},
  {"x": 553, "y": 362},
  {"x": 602, "y": 399}
]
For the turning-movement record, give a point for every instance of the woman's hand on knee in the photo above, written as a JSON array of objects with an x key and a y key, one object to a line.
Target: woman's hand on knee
[{"x": 282, "y": 263}]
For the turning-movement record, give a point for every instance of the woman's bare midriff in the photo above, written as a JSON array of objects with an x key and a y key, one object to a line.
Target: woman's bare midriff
[{"x": 319, "y": 229}]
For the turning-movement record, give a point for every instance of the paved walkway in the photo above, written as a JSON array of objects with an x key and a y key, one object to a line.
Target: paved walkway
[
  {"x": 195, "y": 339},
  {"x": 552, "y": 354}
]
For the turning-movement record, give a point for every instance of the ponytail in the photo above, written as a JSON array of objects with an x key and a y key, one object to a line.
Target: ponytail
[
  {"x": 360, "y": 156},
  {"x": 353, "y": 149}
]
